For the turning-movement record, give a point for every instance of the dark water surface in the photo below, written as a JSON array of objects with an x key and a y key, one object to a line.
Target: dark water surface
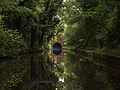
[
  {"x": 92, "y": 71},
  {"x": 79, "y": 70},
  {"x": 28, "y": 72}
]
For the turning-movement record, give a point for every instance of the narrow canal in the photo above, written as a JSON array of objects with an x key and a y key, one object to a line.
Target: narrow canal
[
  {"x": 59, "y": 44},
  {"x": 77, "y": 70}
]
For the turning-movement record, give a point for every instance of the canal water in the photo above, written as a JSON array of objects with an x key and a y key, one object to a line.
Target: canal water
[{"x": 77, "y": 70}]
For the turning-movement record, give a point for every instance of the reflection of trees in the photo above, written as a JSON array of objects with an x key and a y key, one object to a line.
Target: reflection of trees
[
  {"x": 33, "y": 72},
  {"x": 12, "y": 71},
  {"x": 83, "y": 74}
]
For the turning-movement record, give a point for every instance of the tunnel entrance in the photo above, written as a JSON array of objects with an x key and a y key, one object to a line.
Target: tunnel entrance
[{"x": 57, "y": 48}]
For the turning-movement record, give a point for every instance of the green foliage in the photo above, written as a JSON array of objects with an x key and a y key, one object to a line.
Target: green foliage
[
  {"x": 94, "y": 22},
  {"x": 11, "y": 42},
  {"x": 12, "y": 73},
  {"x": 34, "y": 20}
]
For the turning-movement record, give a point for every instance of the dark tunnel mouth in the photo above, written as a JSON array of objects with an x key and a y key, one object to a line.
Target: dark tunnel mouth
[{"x": 57, "y": 48}]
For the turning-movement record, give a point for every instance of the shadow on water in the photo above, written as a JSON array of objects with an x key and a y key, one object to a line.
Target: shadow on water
[
  {"x": 28, "y": 72},
  {"x": 82, "y": 71},
  {"x": 91, "y": 71}
]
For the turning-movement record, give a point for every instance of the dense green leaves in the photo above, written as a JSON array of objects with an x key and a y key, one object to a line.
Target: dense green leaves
[
  {"x": 91, "y": 24},
  {"x": 31, "y": 22},
  {"x": 11, "y": 42}
]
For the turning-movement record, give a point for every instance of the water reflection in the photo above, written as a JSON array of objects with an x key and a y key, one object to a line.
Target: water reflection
[
  {"x": 90, "y": 71},
  {"x": 28, "y": 72},
  {"x": 80, "y": 71}
]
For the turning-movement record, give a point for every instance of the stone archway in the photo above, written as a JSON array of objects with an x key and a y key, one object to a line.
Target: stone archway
[{"x": 58, "y": 39}]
